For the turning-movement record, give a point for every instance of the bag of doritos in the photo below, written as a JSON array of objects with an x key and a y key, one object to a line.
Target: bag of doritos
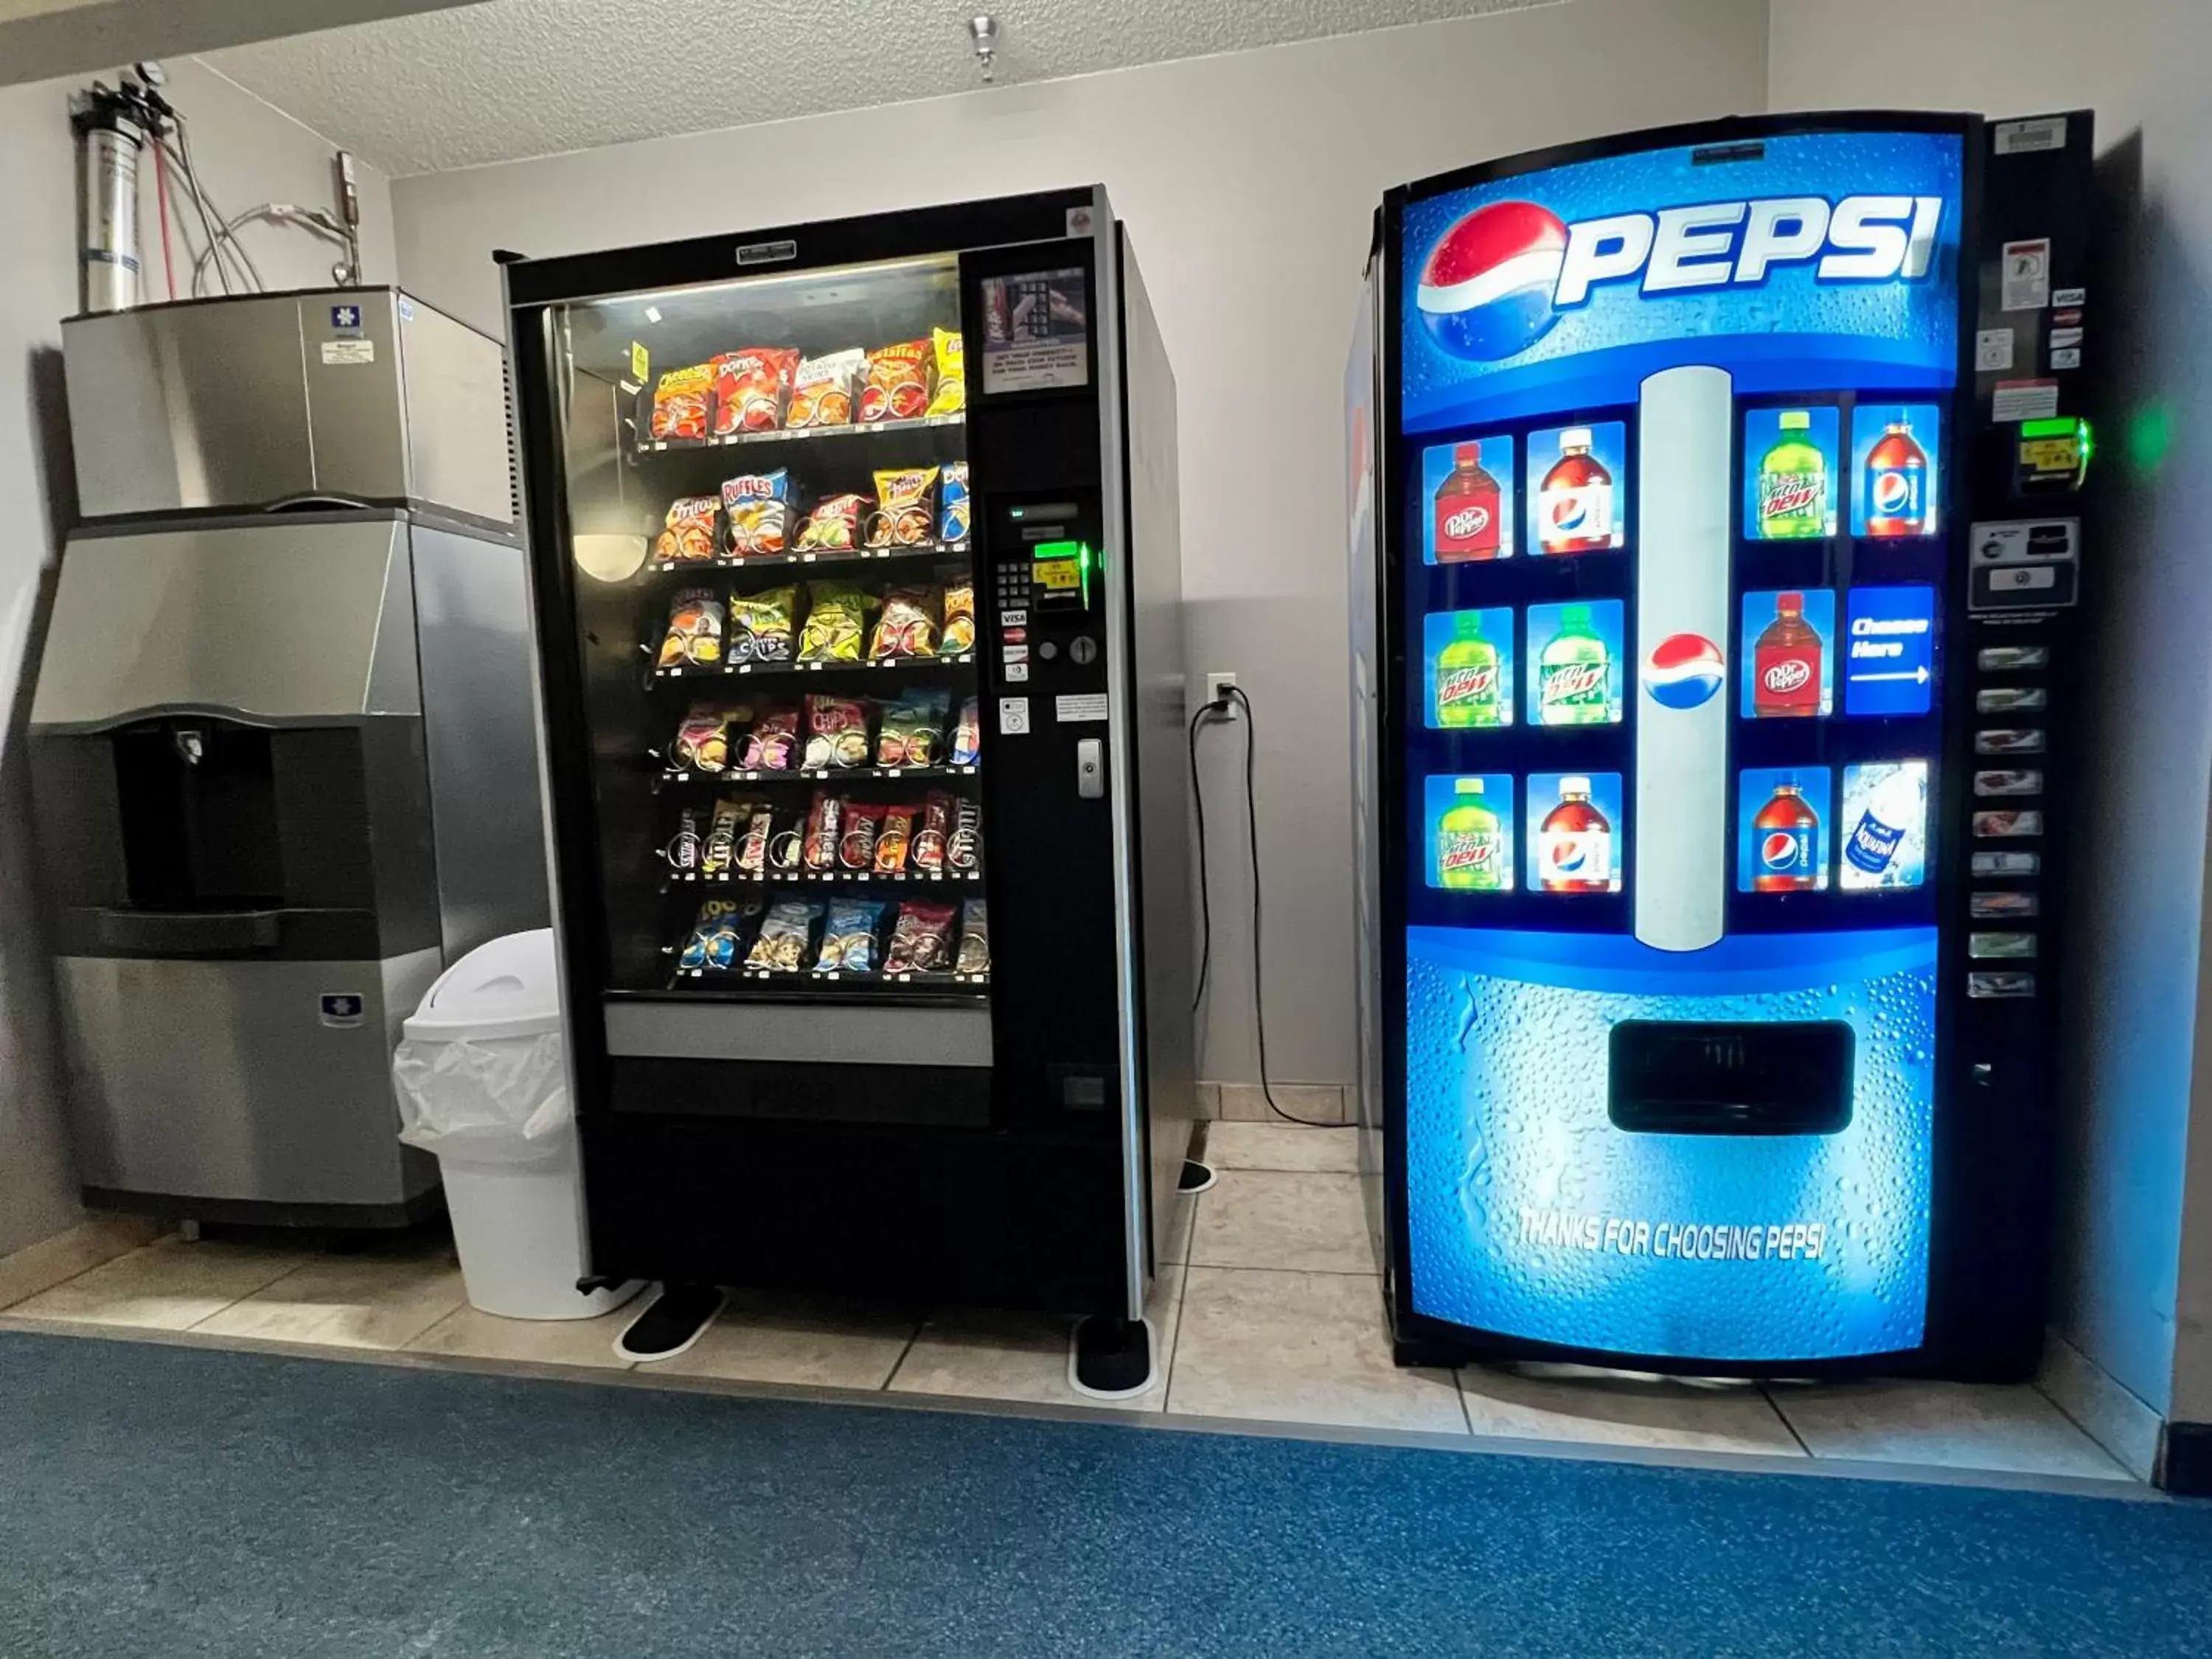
[
  {"x": 750, "y": 386},
  {"x": 952, "y": 503}
]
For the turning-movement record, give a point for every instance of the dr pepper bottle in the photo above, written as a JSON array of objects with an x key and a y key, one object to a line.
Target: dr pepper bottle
[
  {"x": 1785, "y": 663},
  {"x": 1467, "y": 515}
]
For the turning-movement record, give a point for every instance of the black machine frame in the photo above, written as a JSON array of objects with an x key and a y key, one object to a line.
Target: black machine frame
[{"x": 1033, "y": 1180}]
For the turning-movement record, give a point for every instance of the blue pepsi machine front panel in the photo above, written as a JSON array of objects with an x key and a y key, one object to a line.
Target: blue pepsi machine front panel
[{"x": 1670, "y": 937}]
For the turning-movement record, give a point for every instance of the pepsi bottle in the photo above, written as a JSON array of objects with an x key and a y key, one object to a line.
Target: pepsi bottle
[
  {"x": 1784, "y": 837},
  {"x": 1898, "y": 503}
]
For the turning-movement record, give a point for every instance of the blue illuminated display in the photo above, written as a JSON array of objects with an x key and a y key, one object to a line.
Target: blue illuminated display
[
  {"x": 1740, "y": 359},
  {"x": 1889, "y": 650}
]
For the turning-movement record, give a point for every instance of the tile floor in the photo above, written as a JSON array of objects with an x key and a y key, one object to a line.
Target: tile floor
[{"x": 1274, "y": 1316}]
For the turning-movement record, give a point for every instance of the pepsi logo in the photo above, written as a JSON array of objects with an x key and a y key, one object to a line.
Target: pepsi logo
[
  {"x": 1789, "y": 675},
  {"x": 1487, "y": 290},
  {"x": 1778, "y": 851},
  {"x": 1569, "y": 853},
  {"x": 1893, "y": 492},
  {"x": 1569, "y": 512},
  {"x": 1683, "y": 671},
  {"x": 1468, "y": 521}
]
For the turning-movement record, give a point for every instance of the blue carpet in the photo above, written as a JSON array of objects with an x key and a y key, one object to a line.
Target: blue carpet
[{"x": 177, "y": 1503}]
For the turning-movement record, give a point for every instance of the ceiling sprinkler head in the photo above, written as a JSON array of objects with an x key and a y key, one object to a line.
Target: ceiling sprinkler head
[{"x": 984, "y": 29}]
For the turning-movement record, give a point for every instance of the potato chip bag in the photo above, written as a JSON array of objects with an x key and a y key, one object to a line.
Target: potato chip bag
[
  {"x": 825, "y": 389},
  {"x": 951, "y": 394},
  {"x": 695, "y": 631},
  {"x": 689, "y": 534},
  {"x": 836, "y": 618},
  {"x": 758, "y": 509},
  {"x": 952, "y": 503},
  {"x": 760, "y": 625},
  {"x": 907, "y": 626},
  {"x": 834, "y": 525},
  {"x": 905, "y": 514},
  {"x": 750, "y": 386},
  {"x": 959, "y": 637},
  {"x": 897, "y": 387},
  {"x": 680, "y": 402}
]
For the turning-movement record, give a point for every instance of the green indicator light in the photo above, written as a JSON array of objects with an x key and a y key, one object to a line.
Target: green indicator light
[
  {"x": 1056, "y": 549},
  {"x": 2063, "y": 427},
  {"x": 2087, "y": 440}
]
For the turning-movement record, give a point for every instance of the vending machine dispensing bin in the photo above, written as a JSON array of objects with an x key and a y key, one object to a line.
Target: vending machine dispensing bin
[
  {"x": 857, "y": 581},
  {"x": 1709, "y": 614}
]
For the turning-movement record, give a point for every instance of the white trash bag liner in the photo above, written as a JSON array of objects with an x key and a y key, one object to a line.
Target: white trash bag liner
[
  {"x": 480, "y": 1074},
  {"x": 498, "y": 1100}
]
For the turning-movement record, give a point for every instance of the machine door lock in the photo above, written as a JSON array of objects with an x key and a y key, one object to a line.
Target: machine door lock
[
  {"x": 191, "y": 744},
  {"x": 1091, "y": 768}
]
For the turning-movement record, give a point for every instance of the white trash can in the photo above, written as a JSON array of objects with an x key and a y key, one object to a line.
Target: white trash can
[{"x": 482, "y": 1081}]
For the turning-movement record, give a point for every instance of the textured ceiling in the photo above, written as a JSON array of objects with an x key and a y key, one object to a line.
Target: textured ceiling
[{"x": 504, "y": 79}]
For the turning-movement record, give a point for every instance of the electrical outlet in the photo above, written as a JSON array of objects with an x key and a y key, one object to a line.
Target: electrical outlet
[{"x": 1217, "y": 688}]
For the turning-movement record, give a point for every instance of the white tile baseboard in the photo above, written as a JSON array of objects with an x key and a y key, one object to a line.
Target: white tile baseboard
[{"x": 2101, "y": 1406}]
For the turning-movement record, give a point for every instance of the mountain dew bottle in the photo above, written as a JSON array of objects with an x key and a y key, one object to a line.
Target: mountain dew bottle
[
  {"x": 1466, "y": 677},
  {"x": 1470, "y": 845},
  {"x": 1572, "y": 672},
  {"x": 1793, "y": 482}
]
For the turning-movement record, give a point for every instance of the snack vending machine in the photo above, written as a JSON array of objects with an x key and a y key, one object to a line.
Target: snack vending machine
[
  {"x": 860, "y": 659},
  {"x": 1710, "y": 643}
]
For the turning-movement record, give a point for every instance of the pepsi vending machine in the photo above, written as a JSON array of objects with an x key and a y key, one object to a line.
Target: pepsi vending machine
[{"x": 1707, "y": 643}]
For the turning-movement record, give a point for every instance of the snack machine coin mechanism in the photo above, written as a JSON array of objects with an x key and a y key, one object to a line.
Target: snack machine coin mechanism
[
  {"x": 1710, "y": 614},
  {"x": 858, "y": 601}
]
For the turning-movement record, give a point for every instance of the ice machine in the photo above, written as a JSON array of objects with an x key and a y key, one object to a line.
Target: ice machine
[{"x": 282, "y": 746}]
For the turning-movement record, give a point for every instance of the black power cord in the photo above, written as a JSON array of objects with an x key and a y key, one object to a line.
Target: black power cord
[{"x": 1220, "y": 706}]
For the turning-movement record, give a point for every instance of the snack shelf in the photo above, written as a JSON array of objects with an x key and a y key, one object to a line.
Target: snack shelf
[
  {"x": 856, "y": 878},
  {"x": 677, "y": 775},
  {"x": 791, "y": 434},
  {"x": 776, "y": 670},
  {"x": 813, "y": 557},
  {"x": 807, "y": 978}
]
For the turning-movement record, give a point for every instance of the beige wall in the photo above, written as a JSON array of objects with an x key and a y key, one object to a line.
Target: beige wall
[
  {"x": 247, "y": 153},
  {"x": 2131, "y": 990},
  {"x": 1248, "y": 183}
]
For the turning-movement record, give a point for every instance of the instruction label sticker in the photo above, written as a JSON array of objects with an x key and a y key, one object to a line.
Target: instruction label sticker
[
  {"x": 1993, "y": 350},
  {"x": 2027, "y": 275},
  {"x": 1014, "y": 717},
  {"x": 2026, "y": 137},
  {"x": 1081, "y": 706},
  {"x": 2024, "y": 400},
  {"x": 337, "y": 354}
]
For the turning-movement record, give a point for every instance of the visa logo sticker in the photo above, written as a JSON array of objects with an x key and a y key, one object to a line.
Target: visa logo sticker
[{"x": 1496, "y": 282}]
